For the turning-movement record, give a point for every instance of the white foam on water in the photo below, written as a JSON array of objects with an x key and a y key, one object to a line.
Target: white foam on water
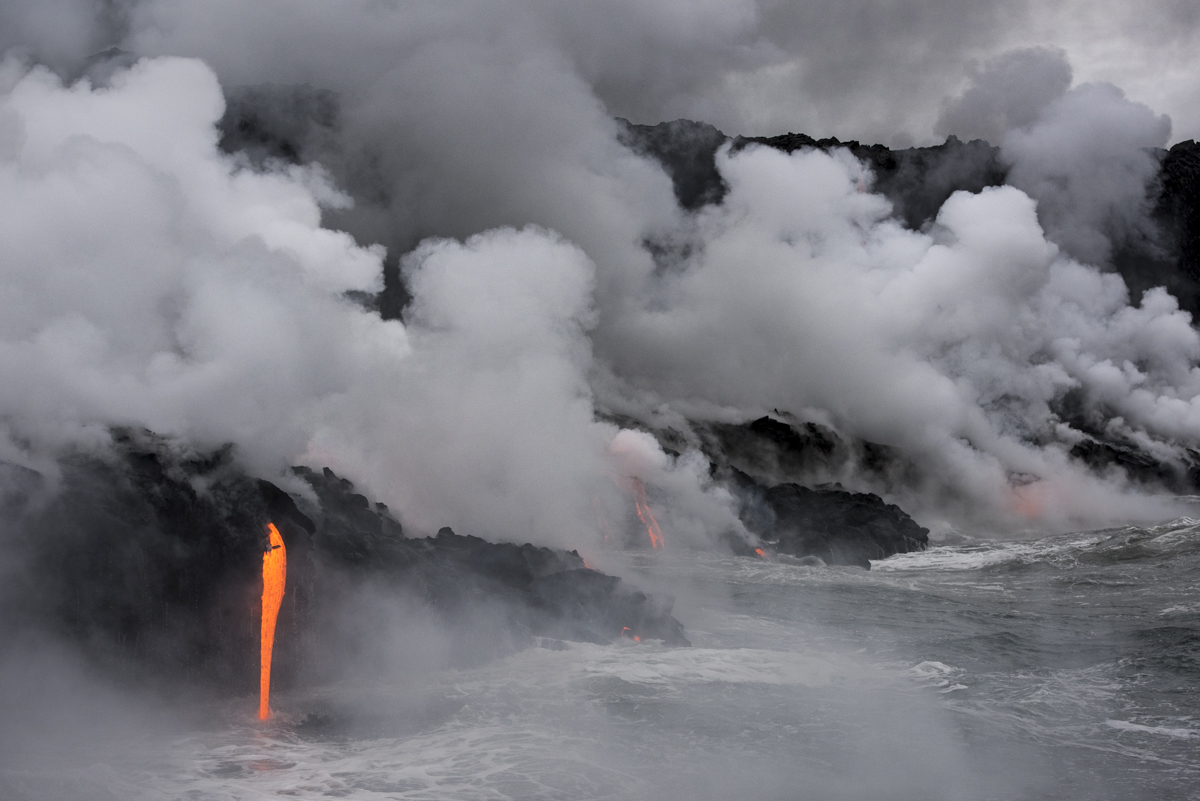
[
  {"x": 1180, "y": 609},
  {"x": 982, "y": 555},
  {"x": 1166, "y": 731},
  {"x": 701, "y": 665}
]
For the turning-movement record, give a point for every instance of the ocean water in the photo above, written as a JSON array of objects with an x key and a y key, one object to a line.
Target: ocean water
[{"x": 1059, "y": 667}]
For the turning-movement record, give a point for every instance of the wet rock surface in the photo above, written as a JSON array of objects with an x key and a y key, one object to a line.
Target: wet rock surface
[
  {"x": 780, "y": 469},
  {"x": 151, "y": 556},
  {"x": 839, "y": 527}
]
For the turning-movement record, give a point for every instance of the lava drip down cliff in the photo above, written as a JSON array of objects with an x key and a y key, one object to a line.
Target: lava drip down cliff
[{"x": 150, "y": 558}]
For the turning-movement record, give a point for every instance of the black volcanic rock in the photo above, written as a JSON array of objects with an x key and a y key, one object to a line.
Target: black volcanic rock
[
  {"x": 150, "y": 558},
  {"x": 773, "y": 451},
  {"x": 274, "y": 122},
  {"x": 1179, "y": 203},
  {"x": 766, "y": 463},
  {"x": 687, "y": 150},
  {"x": 828, "y": 522},
  {"x": 1172, "y": 467},
  {"x": 917, "y": 180},
  {"x": 1170, "y": 257},
  {"x": 147, "y": 557},
  {"x": 840, "y": 527},
  {"x": 1104, "y": 454}
]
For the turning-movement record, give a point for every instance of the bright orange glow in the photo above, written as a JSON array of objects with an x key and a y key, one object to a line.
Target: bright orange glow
[
  {"x": 637, "y": 638},
  {"x": 274, "y": 578},
  {"x": 645, "y": 515},
  {"x": 761, "y": 552},
  {"x": 1029, "y": 500}
]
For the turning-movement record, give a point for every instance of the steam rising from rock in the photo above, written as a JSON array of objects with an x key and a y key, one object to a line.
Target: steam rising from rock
[{"x": 151, "y": 279}]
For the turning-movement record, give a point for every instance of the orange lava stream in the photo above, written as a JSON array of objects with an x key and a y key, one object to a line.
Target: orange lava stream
[
  {"x": 274, "y": 577},
  {"x": 645, "y": 515}
]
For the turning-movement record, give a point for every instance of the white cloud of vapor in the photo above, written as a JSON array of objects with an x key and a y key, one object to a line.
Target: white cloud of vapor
[
  {"x": 145, "y": 281},
  {"x": 1009, "y": 92},
  {"x": 953, "y": 344},
  {"x": 1087, "y": 159},
  {"x": 148, "y": 280}
]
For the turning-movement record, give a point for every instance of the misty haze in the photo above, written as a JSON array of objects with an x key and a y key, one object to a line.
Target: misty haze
[{"x": 543, "y": 400}]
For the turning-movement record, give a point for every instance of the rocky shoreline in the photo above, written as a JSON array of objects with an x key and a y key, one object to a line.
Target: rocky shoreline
[{"x": 149, "y": 557}]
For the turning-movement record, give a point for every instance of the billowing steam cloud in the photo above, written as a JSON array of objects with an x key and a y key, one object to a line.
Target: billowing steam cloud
[
  {"x": 145, "y": 282},
  {"x": 953, "y": 344},
  {"x": 151, "y": 279},
  {"x": 1083, "y": 154},
  {"x": 151, "y": 282}
]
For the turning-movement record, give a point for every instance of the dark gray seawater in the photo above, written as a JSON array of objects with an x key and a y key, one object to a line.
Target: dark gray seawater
[{"x": 1063, "y": 667}]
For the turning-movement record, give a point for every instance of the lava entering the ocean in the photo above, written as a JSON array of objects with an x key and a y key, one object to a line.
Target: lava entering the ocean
[
  {"x": 645, "y": 515},
  {"x": 274, "y": 578}
]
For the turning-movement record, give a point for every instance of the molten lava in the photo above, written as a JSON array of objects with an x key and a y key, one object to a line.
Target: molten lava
[
  {"x": 274, "y": 577},
  {"x": 761, "y": 552},
  {"x": 1029, "y": 500},
  {"x": 645, "y": 515}
]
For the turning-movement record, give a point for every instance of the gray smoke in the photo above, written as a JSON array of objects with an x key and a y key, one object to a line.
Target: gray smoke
[
  {"x": 215, "y": 284},
  {"x": 1088, "y": 159},
  {"x": 1009, "y": 92},
  {"x": 154, "y": 280},
  {"x": 1086, "y": 155}
]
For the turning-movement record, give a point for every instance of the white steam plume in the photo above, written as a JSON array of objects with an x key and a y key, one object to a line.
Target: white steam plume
[
  {"x": 953, "y": 345},
  {"x": 149, "y": 280},
  {"x": 1087, "y": 159},
  {"x": 203, "y": 300},
  {"x": 1085, "y": 154}
]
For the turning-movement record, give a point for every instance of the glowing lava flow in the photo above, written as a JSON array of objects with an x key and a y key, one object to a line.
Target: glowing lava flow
[
  {"x": 645, "y": 515},
  {"x": 274, "y": 577}
]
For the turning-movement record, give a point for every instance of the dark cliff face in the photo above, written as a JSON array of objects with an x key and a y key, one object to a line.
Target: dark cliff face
[
  {"x": 918, "y": 181},
  {"x": 1165, "y": 252},
  {"x": 766, "y": 464},
  {"x": 839, "y": 527},
  {"x": 150, "y": 558},
  {"x": 688, "y": 152},
  {"x": 1179, "y": 202},
  {"x": 1171, "y": 260},
  {"x": 296, "y": 124}
]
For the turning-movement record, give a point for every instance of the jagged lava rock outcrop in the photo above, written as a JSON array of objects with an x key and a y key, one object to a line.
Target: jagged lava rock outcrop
[
  {"x": 839, "y": 527},
  {"x": 149, "y": 556},
  {"x": 762, "y": 461},
  {"x": 780, "y": 471}
]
